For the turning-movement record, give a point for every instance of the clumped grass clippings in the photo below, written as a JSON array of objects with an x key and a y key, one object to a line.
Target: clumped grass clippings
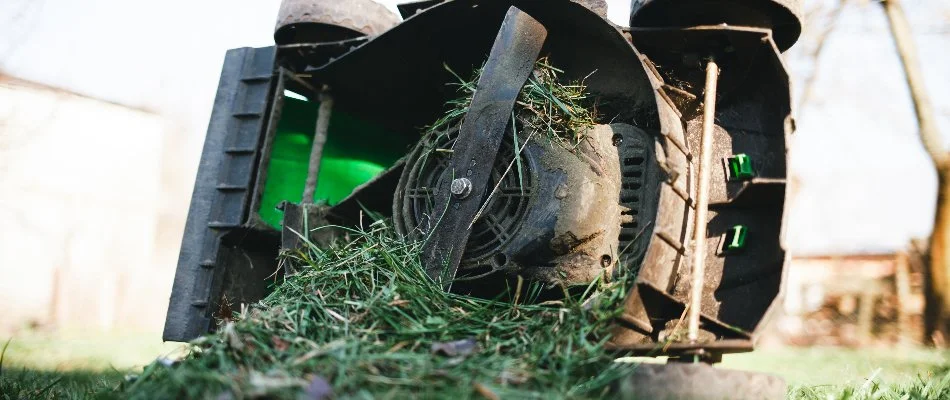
[
  {"x": 561, "y": 112},
  {"x": 364, "y": 317},
  {"x": 546, "y": 108}
]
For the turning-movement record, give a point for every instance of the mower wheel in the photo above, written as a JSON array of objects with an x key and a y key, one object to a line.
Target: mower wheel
[{"x": 682, "y": 381}]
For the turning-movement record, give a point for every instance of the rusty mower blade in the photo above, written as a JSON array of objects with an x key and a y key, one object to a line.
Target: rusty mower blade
[{"x": 463, "y": 188}]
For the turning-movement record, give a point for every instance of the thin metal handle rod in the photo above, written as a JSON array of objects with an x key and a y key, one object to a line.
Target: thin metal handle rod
[
  {"x": 702, "y": 200},
  {"x": 316, "y": 152}
]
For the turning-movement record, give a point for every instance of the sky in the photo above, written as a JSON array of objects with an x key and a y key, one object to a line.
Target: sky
[{"x": 865, "y": 184}]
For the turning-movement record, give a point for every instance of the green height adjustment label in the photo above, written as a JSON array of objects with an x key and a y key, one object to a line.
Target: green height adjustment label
[
  {"x": 740, "y": 167},
  {"x": 735, "y": 239}
]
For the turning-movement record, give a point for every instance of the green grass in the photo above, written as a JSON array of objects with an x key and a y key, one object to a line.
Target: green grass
[
  {"x": 364, "y": 317},
  {"x": 86, "y": 351},
  {"x": 819, "y": 366},
  {"x": 22, "y": 383},
  {"x": 812, "y": 373},
  {"x": 74, "y": 365},
  {"x": 827, "y": 373}
]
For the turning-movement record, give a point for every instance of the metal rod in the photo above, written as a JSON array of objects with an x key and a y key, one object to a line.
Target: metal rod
[
  {"x": 319, "y": 140},
  {"x": 702, "y": 200}
]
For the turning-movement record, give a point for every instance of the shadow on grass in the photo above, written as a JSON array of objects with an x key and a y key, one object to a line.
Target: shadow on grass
[{"x": 24, "y": 383}]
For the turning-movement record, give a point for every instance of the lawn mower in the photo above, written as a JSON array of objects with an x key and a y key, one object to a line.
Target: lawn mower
[{"x": 678, "y": 182}]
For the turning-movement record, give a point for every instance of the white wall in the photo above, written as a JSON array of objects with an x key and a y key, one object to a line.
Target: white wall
[{"x": 81, "y": 189}]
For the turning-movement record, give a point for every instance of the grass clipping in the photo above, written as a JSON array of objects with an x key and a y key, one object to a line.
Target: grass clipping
[
  {"x": 560, "y": 112},
  {"x": 362, "y": 319}
]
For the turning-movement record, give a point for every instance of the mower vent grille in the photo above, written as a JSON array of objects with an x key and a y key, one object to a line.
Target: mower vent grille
[
  {"x": 635, "y": 197},
  {"x": 500, "y": 219}
]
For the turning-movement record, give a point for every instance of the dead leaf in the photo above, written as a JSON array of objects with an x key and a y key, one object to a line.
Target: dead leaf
[
  {"x": 280, "y": 345},
  {"x": 319, "y": 389},
  {"x": 397, "y": 347},
  {"x": 485, "y": 391},
  {"x": 398, "y": 303}
]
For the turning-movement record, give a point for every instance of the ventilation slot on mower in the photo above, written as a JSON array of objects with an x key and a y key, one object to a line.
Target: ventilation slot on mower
[{"x": 633, "y": 166}]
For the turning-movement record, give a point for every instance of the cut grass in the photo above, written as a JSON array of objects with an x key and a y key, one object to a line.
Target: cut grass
[
  {"x": 364, "y": 317},
  {"x": 559, "y": 111},
  {"x": 813, "y": 374}
]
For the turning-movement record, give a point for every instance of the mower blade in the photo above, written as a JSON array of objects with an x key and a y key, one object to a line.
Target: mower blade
[{"x": 509, "y": 64}]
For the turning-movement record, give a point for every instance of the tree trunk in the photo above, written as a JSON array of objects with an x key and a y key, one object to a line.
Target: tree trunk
[
  {"x": 937, "y": 299},
  {"x": 937, "y": 313}
]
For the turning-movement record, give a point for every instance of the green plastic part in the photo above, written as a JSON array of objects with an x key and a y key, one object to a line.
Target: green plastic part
[
  {"x": 736, "y": 238},
  {"x": 740, "y": 168},
  {"x": 355, "y": 152}
]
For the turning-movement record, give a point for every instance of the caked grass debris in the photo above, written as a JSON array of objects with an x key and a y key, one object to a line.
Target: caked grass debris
[
  {"x": 560, "y": 111},
  {"x": 361, "y": 319}
]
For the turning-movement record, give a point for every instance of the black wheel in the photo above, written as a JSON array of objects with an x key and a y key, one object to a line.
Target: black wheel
[{"x": 681, "y": 381}]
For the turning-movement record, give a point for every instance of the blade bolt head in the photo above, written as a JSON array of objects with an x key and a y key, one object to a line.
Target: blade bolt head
[{"x": 461, "y": 187}]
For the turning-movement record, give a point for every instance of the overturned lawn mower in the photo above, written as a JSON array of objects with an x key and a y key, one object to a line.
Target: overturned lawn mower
[{"x": 591, "y": 192}]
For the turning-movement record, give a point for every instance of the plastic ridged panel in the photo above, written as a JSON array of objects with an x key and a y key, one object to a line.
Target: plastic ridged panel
[{"x": 222, "y": 188}]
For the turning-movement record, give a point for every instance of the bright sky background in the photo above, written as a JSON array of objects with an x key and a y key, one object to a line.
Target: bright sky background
[{"x": 865, "y": 183}]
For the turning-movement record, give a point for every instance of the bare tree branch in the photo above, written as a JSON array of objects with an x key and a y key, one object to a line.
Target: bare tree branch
[
  {"x": 815, "y": 54},
  {"x": 907, "y": 50}
]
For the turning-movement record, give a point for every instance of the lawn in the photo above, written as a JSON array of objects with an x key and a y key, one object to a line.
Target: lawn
[
  {"x": 360, "y": 318},
  {"x": 75, "y": 367}
]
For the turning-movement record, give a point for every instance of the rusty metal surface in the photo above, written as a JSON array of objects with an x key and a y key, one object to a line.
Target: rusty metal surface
[
  {"x": 310, "y": 21},
  {"x": 783, "y": 17},
  {"x": 597, "y": 6},
  {"x": 509, "y": 64},
  {"x": 587, "y": 231}
]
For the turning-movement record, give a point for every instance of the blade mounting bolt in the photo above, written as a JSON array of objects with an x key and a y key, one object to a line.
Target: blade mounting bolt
[{"x": 461, "y": 188}]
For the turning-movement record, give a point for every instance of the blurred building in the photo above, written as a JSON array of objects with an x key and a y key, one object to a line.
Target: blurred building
[
  {"x": 852, "y": 300},
  {"x": 87, "y": 234}
]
